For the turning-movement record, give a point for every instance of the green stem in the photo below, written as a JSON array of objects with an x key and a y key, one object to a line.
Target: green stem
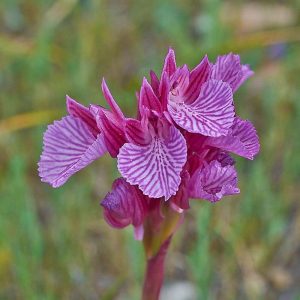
[{"x": 154, "y": 275}]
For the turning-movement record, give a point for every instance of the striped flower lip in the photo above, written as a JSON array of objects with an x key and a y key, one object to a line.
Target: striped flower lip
[
  {"x": 178, "y": 147},
  {"x": 156, "y": 166}
]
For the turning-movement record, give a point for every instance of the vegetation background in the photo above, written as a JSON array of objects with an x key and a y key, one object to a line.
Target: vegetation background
[{"x": 54, "y": 243}]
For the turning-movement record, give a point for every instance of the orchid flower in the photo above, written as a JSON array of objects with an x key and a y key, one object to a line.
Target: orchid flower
[{"x": 176, "y": 149}]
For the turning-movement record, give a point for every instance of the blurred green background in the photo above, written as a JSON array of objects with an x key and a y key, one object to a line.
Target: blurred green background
[{"x": 54, "y": 243}]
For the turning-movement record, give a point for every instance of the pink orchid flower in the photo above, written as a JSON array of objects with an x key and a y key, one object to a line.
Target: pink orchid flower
[{"x": 177, "y": 149}]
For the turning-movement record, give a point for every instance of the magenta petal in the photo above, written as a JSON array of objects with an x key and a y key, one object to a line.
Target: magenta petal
[
  {"x": 154, "y": 83},
  {"x": 76, "y": 109},
  {"x": 148, "y": 98},
  {"x": 137, "y": 133},
  {"x": 111, "y": 127},
  {"x": 229, "y": 69},
  {"x": 180, "y": 80},
  {"x": 155, "y": 168},
  {"x": 198, "y": 76},
  {"x": 164, "y": 89},
  {"x": 125, "y": 205},
  {"x": 241, "y": 139},
  {"x": 69, "y": 146},
  {"x": 111, "y": 101},
  {"x": 211, "y": 114},
  {"x": 213, "y": 182},
  {"x": 170, "y": 63}
]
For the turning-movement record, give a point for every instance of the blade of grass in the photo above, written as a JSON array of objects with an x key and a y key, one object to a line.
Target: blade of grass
[{"x": 27, "y": 120}]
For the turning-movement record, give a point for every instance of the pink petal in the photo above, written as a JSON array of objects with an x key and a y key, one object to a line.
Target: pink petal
[
  {"x": 170, "y": 63},
  {"x": 241, "y": 139},
  {"x": 154, "y": 83},
  {"x": 76, "y": 109},
  {"x": 125, "y": 205},
  {"x": 112, "y": 128},
  {"x": 179, "y": 83},
  {"x": 148, "y": 98},
  {"x": 180, "y": 80},
  {"x": 213, "y": 182},
  {"x": 164, "y": 89},
  {"x": 198, "y": 76},
  {"x": 229, "y": 69},
  {"x": 111, "y": 101},
  {"x": 69, "y": 146},
  {"x": 211, "y": 114},
  {"x": 155, "y": 168},
  {"x": 137, "y": 132}
]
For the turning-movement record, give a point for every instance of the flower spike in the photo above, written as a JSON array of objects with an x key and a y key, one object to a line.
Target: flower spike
[{"x": 177, "y": 148}]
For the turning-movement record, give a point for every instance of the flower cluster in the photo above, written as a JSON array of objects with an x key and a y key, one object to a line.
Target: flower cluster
[{"x": 176, "y": 148}]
